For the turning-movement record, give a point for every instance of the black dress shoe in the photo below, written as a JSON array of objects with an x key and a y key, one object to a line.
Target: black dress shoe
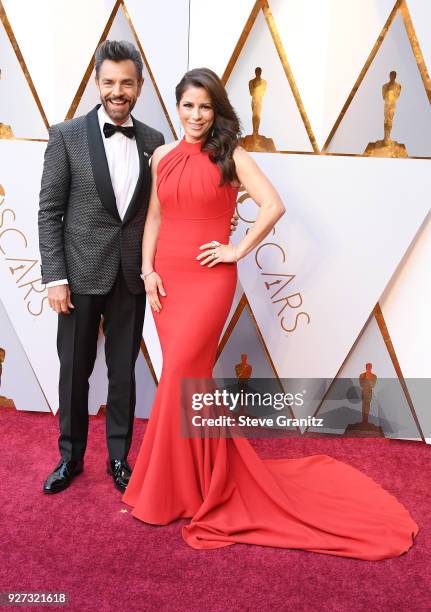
[
  {"x": 62, "y": 476},
  {"x": 120, "y": 471}
]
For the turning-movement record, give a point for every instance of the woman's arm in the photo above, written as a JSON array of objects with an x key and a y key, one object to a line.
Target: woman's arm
[
  {"x": 271, "y": 208},
  {"x": 153, "y": 282},
  {"x": 153, "y": 219},
  {"x": 262, "y": 191}
]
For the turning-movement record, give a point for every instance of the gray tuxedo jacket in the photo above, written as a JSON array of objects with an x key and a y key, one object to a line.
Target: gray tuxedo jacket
[{"x": 81, "y": 235}]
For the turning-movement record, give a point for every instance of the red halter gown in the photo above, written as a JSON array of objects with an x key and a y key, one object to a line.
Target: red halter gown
[{"x": 314, "y": 503}]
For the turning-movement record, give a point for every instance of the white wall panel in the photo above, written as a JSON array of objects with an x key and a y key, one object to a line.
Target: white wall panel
[
  {"x": 420, "y": 13},
  {"x": 406, "y": 307},
  {"x": 57, "y": 39},
  {"x": 163, "y": 29},
  {"x": 23, "y": 294},
  {"x": 18, "y": 381},
  {"x": 346, "y": 229},
  {"x": 18, "y": 108},
  {"x": 148, "y": 107},
  {"x": 152, "y": 342},
  {"x": 215, "y": 28}
]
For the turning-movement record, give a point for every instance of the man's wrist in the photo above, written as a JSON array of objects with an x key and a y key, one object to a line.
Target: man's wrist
[{"x": 56, "y": 283}]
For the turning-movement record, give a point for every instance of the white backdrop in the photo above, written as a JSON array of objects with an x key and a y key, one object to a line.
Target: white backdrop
[{"x": 356, "y": 233}]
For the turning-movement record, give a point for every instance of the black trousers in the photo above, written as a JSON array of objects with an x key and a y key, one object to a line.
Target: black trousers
[{"x": 123, "y": 319}]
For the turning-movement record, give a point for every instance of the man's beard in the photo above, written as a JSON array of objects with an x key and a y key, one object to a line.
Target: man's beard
[{"x": 120, "y": 114}]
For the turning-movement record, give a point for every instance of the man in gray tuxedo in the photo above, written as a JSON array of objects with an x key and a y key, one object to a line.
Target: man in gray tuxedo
[{"x": 93, "y": 201}]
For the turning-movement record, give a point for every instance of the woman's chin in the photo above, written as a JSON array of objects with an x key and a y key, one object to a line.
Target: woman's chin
[{"x": 196, "y": 135}]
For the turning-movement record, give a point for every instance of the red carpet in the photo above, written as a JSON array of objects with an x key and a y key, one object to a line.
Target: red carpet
[{"x": 80, "y": 542}]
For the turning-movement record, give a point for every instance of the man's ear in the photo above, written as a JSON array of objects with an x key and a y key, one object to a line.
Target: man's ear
[{"x": 140, "y": 86}]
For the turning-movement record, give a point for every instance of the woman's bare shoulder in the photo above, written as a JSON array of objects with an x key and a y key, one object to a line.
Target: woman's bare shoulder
[
  {"x": 161, "y": 151},
  {"x": 240, "y": 155}
]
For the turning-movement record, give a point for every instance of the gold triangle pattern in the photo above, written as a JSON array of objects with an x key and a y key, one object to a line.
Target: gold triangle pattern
[{"x": 8, "y": 28}]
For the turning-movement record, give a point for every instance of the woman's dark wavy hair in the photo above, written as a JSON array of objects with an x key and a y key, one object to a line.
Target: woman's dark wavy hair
[{"x": 222, "y": 138}]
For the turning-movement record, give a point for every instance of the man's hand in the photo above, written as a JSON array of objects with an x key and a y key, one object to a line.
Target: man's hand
[
  {"x": 234, "y": 222},
  {"x": 59, "y": 299}
]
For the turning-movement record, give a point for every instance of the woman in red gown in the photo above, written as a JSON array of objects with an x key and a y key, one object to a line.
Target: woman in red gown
[{"x": 314, "y": 503}]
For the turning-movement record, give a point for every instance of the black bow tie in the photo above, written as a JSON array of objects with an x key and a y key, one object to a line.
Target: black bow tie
[{"x": 110, "y": 128}]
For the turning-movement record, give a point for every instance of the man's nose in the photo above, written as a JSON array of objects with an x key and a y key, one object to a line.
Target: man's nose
[{"x": 116, "y": 91}]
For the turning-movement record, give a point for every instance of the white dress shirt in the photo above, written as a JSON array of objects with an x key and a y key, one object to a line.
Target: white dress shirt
[{"x": 123, "y": 162}]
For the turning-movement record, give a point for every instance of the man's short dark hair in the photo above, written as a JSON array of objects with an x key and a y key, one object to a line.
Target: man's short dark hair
[{"x": 118, "y": 50}]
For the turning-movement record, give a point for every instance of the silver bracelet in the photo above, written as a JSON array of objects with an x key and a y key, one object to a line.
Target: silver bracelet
[{"x": 144, "y": 276}]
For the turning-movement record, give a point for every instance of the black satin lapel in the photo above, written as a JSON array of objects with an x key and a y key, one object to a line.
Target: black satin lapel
[
  {"x": 144, "y": 180},
  {"x": 99, "y": 164}
]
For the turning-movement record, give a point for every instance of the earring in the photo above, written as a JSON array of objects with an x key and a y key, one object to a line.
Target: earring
[{"x": 212, "y": 133}]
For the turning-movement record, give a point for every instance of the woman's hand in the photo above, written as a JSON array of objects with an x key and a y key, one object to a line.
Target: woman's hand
[
  {"x": 215, "y": 253},
  {"x": 154, "y": 286},
  {"x": 234, "y": 222}
]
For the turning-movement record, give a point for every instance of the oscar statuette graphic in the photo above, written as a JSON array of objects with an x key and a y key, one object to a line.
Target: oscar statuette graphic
[
  {"x": 243, "y": 369},
  {"x": 387, "y": 147},
  {"x": 4, "y": 401},
  {"x": 5, "y": 130},
  {"x": 257, "y": 142},
  {"x": 243, "y": 372},
  {"x": 367, "y": 380}
]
